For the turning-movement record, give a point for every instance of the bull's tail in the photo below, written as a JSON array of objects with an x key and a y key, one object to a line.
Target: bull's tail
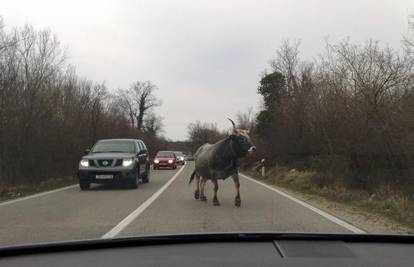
[{"x": 192, "y": 177}]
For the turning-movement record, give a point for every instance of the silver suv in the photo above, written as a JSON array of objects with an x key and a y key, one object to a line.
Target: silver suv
[{"x": 115, "y": 161}]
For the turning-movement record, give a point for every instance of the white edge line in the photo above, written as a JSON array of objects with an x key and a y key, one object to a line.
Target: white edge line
[
  {"x": 37, "y": 195},
  {"x": 314, "y": 209},
  {"x": 133, "y": 215}
]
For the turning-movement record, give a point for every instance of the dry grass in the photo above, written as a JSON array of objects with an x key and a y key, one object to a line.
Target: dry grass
[
  {"x": 10, "y": 192},
  {"x": 385, "y": 201}
]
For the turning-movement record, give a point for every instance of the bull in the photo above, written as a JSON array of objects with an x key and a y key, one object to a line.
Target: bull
[{"x": 219, "y": 161}]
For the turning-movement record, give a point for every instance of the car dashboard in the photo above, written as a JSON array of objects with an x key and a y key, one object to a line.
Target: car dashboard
[{"x": 220, "y": 250}]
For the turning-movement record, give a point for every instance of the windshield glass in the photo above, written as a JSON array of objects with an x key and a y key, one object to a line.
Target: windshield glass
[
  {"x": 114, "y": 146},
  {"x": 254, "y": 115},
  {"x": 165, "y": 154}
]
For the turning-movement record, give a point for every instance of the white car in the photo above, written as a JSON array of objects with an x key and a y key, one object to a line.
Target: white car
[{"x": 180, "y": 157}]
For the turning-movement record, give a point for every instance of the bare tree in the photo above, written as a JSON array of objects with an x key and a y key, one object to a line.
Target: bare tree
[
  {"x": 287, "y": 62},
  {"x": 408, "y": 39},
  {"x": 125, "y": 102},
  {"x": 99, "y": 94},
  {"x": 153, "y": 125},
  {"x": 246, "y": 120},
  {"x": 201, "y": 133},
  {"x": 138, "y": 101}
]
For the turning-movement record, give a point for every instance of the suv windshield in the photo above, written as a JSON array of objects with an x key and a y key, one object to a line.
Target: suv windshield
[
  {"x": 114, "y": 146},
  {"x": 179, "y": 154}
]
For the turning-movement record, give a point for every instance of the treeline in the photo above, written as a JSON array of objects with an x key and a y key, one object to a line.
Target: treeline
[
  {"x": 200, "y": 133},
  {"x": 49, "y": 115},
  {"x": 349, "y": 113}
]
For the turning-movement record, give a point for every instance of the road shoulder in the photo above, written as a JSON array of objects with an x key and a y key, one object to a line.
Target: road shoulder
[
  {"x": 369, "y": 221},
  {"x": 8, "y": 193}
]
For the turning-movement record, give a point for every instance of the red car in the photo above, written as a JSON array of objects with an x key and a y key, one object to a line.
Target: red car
[{"x": 166, "y": 159}]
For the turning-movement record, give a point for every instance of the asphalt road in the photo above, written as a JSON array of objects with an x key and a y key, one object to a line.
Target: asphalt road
[{"x": 163, "y": 206}]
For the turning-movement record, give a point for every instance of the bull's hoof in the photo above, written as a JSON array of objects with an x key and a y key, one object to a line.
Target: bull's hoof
[
  {"x": 203, "y": 198},
  {"x": 237, "y": 202},
  {"x": 216, "y": 202},
  {"x": 196, "y": 194}
]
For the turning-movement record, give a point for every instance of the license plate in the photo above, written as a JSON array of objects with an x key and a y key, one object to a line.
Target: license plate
[{"x": 104, "y": 176}]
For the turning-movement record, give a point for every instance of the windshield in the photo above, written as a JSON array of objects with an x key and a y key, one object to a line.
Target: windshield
[
  {"x": 254, "y": 115},
  {"x": 165, "y": 154},
  {"x": 114, "y": 146}
]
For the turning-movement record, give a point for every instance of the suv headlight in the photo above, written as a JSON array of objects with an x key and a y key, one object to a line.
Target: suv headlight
[
  {"x": 127, "y": 162},
  {"x": 170, "y": 161},
  {"x": 84, "y": 163},
  {"x": 156, "y": 161}
]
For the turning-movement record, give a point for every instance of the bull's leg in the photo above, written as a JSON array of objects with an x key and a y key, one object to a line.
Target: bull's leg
[
  {"x": 197, "y": 191},
  {"x": 202, "y": 185},
  {"x": 215, "y": 200},
  {"x": 237, "y": 200}
]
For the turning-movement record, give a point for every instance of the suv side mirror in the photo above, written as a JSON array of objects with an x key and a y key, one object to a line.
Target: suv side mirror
[
  {"x": 87, "y": 151},
  {"x": 143, "y": 151}
]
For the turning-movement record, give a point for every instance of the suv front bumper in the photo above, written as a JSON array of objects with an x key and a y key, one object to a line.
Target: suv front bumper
[{"x": 118, "y": 175}]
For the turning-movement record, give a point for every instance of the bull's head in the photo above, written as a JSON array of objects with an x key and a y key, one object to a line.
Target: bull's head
[{"x": 241, "y": 139}]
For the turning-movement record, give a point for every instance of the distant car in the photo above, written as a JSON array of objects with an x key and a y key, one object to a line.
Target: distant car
[
  {"x": 189, "y": 158},
  {"x": 165, "y": 159},
  {"x": 115, "y": 161},
  {"x": 180, "y": 157}
]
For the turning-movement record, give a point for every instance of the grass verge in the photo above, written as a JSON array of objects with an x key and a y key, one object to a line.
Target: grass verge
[
  {"x": 12, "y": 192},
  {"x": 384, "y": 211}
]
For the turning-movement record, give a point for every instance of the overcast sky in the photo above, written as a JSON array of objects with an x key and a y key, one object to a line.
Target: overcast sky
[{"x": 205, "y": 56}]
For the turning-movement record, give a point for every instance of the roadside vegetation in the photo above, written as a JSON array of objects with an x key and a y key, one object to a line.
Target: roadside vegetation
[
  {"x": 385, "y": 201},
  {"x": 342, "y": 126},
  {"x": 49, "y": 114},
  {"x": 29, "y": 188},
  {"x": 343, "y": 122}
]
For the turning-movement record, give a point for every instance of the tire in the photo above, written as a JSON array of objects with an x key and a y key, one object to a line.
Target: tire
[
  {"x": 84, "y": 185},
  {"x": 145, "y": 177},
  {"x": 133, "y": 183},
  {"x": 155, "y": 168},
  {"x": 174, "y": 167}
]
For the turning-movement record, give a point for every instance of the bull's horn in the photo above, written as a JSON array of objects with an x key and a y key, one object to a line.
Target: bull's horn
[{"x": 232, "y": 122}]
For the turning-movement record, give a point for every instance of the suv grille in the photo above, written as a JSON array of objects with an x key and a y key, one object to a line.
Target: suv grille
[{"x": 105, "y": 162}]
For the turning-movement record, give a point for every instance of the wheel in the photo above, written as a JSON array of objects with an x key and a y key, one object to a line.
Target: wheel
[
  {"x": 155, "y": 168},
  {"x": 133, "y": 183},
  {"x": 84, "y": 185},
  {"x": 174, "y": 167},
  {"x": 145, "y": 177}
]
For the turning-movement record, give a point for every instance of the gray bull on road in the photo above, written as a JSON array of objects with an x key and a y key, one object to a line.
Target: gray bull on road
[{"x": 219, "y": 161}]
